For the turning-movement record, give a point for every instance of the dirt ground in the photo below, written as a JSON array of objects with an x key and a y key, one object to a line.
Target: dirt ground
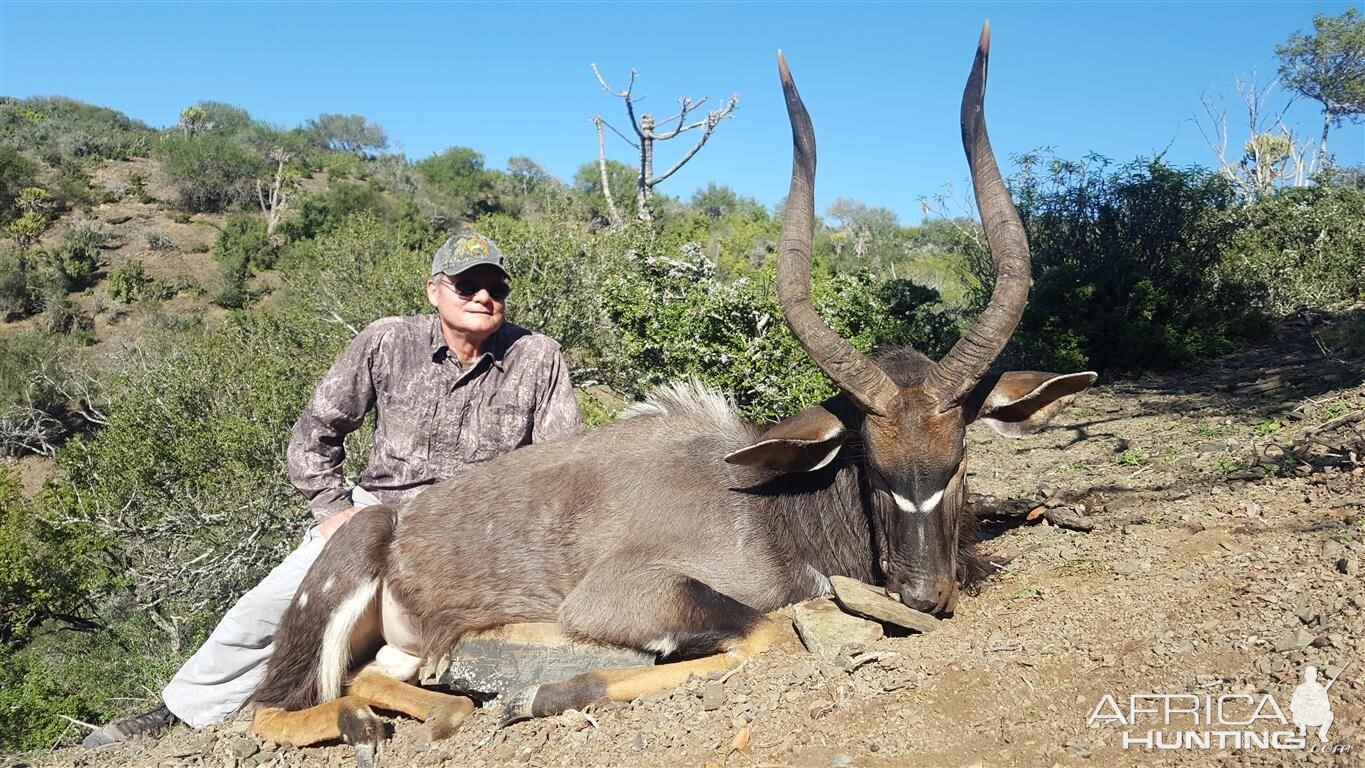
[{"x": 1204, "y": 572}]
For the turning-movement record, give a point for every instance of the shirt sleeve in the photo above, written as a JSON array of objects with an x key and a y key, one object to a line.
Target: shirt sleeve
[
  {"x": 338, "y": 407},
  {"x": 557, "y": 411}
]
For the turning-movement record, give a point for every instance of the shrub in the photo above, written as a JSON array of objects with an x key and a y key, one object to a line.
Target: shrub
[
  {"x": 210, "y": 172},
  {"x": 676, "y": 320},
  {"x": 459, "y": 177},
  {"x": 69, "y": 128},
  {"x": 243, "y": 245},
  {"x": 322, "y": 213},
  {"x": 62, "y": 316},
  {"x": 1125, "y": 265},
  {"x": 1304, "y": 246},
  {"x": 18, "y": 297},
  {"x": 17, "y": 173},
  {"x": 27, "y": 229},
  {"x": 159, "y": 241},
  {"x": 127, "y": 283},
  {"x": 78, "y": 255}
]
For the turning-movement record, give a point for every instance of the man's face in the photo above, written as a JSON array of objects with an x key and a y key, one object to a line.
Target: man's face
[{"x": 472, "y": 302}]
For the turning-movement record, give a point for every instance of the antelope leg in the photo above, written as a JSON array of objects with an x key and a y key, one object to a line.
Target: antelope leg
[
  {"x": 441, "y": 712},
  {"x": 346, "y": 718},
  {"x": 633, "y": 682}
]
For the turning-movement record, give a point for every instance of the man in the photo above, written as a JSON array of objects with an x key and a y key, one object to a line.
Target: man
[{"x": 449, "y": 390}]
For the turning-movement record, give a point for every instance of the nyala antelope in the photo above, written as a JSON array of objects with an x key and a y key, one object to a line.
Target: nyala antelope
[{"x": 676, "y": 529}]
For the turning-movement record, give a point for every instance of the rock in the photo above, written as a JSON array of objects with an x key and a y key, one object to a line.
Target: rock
[
  {"x": 866, "y": 600},
  {"x": 1120, "y": 504},
  {"x": 1293, "y": 641},
  {"x": 824, "y": 629},
  {"x": 713, "y": 696},
  {"x": 1127, "y": 568},
  {"x": 1349, "y": 566},
  {"x": 841, "y": 761},
  {"x": 243, "y": 748},
  {"x": 121, "y": 218}
]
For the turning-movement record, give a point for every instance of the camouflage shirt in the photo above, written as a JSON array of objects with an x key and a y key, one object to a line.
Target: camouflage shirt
[{"x": 433, "y": 417}]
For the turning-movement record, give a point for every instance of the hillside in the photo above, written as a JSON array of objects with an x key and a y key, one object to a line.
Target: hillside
[
  {"x": 161, "y": 333},
  {"x": 1197, "y": 575}
]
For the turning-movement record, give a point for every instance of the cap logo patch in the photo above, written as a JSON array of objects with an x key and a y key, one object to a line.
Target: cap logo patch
[{"x": 476, "y": 246}]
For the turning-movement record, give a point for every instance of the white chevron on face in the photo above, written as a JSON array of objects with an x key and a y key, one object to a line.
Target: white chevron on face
[{"x": 910, "y": 507}]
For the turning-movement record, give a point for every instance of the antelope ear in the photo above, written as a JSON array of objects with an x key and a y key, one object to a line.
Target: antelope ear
[
  {"x": 801, "y": 443},
  {"x": 1020, "y": 403}
]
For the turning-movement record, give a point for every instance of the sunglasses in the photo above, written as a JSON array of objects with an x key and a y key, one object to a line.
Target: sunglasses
[{"x": 467, "y": 288}]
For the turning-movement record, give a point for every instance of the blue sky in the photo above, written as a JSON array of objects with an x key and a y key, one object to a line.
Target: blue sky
[{"x": 882, "y": 80}]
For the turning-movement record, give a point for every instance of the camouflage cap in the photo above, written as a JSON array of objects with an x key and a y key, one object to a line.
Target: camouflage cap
[{"x": 464, "y": 252}]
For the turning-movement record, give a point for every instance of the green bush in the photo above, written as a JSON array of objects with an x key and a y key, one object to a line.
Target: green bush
[
  {"x": 28, "y": 228},
  {"x": 1125, "y": 265},
  {"x": 210, "y": 172},
  {"x": 17, "y": 173},
  {"x": 462, "y": 182},
  {"x": 128, "y": 282},
  {"x": 676, "y": 320},
  {"x": 62, "y": 316},
  {"x": 1304, "y": 246},
  {"x": 18, "y": 297},
  {"x": 77, "y": 257},
  {"x": 187, "y": 477},
  {"x": 321, "y": 213},
  {"x": 242, "y": 248},
  {"x": 69, "y": 128}
]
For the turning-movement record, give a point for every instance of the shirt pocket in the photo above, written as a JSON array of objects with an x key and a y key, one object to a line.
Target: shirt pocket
[{"x": 502, "y": 428}]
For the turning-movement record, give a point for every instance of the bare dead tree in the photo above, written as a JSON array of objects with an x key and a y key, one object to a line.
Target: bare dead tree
[
  {"x": 647, "y": 131},
  {"x": 280, "y": 191},
  {"x": 1271, "y": 156}
]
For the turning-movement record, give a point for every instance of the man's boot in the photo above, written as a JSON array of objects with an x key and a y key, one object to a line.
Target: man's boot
[{"x": 150, "y": 723}]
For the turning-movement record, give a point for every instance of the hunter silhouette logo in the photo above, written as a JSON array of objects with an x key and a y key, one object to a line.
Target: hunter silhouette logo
[
  {"x": 1310, "y": 706},
  {"x": 1170, "y": 721}
]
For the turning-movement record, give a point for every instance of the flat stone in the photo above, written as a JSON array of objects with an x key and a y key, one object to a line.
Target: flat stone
[
  {"x": 824, "y": 629},
  {"x": 243, "y": 748},
  {"x": 1293, "y": 641},
  {"x": 713, "y": 696},
  {"x": 873, "y": 603}
]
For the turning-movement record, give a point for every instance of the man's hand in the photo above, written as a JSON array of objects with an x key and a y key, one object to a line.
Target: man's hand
[{"x": 329, "y": 526}]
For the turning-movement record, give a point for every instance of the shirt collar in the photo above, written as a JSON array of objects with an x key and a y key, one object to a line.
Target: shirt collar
[{"x": 496, "y": 348}]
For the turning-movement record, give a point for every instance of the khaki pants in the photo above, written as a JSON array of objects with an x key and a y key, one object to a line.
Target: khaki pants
[{"x": 219, "y": 677}]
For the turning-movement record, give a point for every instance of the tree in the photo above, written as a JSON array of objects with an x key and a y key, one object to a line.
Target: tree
[
  {"x": 527, "y": 173},
  {"x": 460, "y": 174},
  {"x": 1272, "y": 156},
  {"x": 717, "y": 200},
  {"x": 873, "y": 234},
  {"x": 348, "y": 133},
  {"x": 274, "y": 196},
  {"x": 1328, "y": 67},
  {"x": 647, "y": 131}
]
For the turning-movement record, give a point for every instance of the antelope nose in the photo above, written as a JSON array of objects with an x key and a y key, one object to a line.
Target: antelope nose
[
  {"x": 919, "y": 601},
  {"x": 932, "y": 595}
]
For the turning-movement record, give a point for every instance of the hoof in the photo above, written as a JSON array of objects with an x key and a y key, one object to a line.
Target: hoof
[
  {"x": 362, "y": 728},
  {"x": 446, "y": 719},
  {"x": 366, "y": 756},
  {"x": 519, "y": 707}
]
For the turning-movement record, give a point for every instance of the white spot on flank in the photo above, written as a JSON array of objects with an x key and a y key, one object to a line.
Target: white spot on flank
[
  {"x": 335, "y": 655},
  {"x": 906, "y": 505},
  {"x": 303, "y": 600},
  {"x": 327, "y": 585},
  {"x": 664, "y": 646}
]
